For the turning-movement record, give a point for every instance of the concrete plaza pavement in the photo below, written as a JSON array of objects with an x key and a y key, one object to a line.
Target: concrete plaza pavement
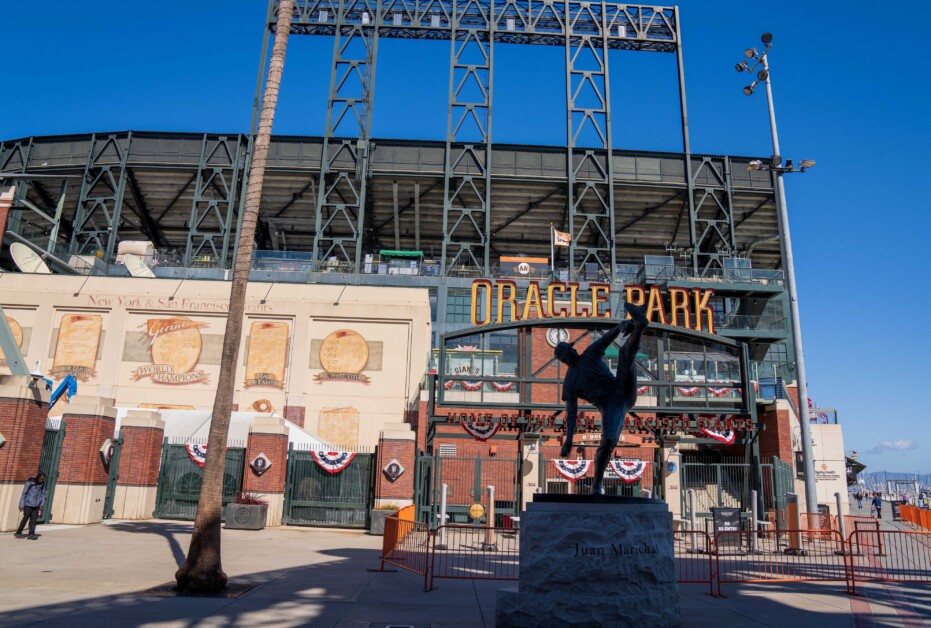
[{"x": 100, "y": 575}]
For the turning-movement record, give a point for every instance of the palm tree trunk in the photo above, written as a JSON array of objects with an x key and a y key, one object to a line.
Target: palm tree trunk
[{"x": 202, "y": 571}]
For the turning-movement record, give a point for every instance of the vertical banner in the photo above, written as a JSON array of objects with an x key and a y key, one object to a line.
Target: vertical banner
[
  {"x": 267, "y": 354},
  {"x": 76, "y": 348}
]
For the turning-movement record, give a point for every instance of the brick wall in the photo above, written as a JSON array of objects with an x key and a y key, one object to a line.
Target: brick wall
[
  {"x": 80, "y": 461},
  {"x": 295, "y": 414},
  {"x": 275, "y": 448},
  {"x": 402, "y": 488},
  {"x": 776, "y": 438},
  {"x": 22, "y": 422},
  {"x": 141, "y": 456}
]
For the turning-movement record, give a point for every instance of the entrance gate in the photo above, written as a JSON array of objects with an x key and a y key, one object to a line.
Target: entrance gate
[
  {"x": 316, "y": 497},
  {"x": 468, "y": 480},
  {"x": 113, "y": 468},
  {"x": 180, "y": 478},
  {"x": 48, "y": 462}
]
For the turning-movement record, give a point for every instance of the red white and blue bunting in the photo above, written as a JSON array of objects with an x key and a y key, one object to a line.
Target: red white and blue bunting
[
  {"x": 502, "y": 386},
  {"x": 628, "y": 470},
  {"x": 473, "y": 386},
  {"x": 642, "y": 389},
  {"x": 572, "y": 470},
  {"x": 481, "y": 431},
  {"x": 198, "y": 453},
  {"x": 727, "y": 437},
  {"x": 332, "y": 461},
  {"x": 688, "y": 391}
]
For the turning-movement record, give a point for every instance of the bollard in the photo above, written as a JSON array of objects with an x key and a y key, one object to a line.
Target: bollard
[
  {"x": 693, "y": 522},
  {"x": 490, "y": 520},
  {"x": 443, "y": 517},
  {"x": 754, "y": 524},
  {"x": 840, "y": 522}
]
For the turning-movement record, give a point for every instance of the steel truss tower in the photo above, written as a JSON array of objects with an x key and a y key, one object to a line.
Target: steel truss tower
[{"x": 587, "y": 31}]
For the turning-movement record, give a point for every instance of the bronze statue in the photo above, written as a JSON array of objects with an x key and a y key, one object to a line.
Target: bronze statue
[{"x": 590, "y": 378}]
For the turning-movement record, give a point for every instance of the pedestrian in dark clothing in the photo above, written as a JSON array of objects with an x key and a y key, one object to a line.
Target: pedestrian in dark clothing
[
  {"x": 859, "y": 497},
  {"x": 878, "y": 505},
  {"x": 30, "y": 504}
]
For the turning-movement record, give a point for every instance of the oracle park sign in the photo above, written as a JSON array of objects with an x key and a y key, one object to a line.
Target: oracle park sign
[{"x": 497, "y": 302}]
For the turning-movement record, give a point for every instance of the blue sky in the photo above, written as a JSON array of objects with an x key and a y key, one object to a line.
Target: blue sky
[{"x": 850, "y": 92}]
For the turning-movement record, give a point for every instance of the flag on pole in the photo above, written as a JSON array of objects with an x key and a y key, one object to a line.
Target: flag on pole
[{"x": 561, "y": 239}]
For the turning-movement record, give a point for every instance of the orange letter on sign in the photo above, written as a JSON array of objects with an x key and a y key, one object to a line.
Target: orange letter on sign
[
  {"x": 679, "y": 302},
  {"x": 506, "y": 285},
  {"x": 656, "y": 306},
  {"x": 601, "y": 293},
  {"x": 478, "y": 286},
  {"x": 533, "y": 302},
  {"x": 634, "y": 295},
  {"x": 703, "y": 310},
  {"x": 573, "y": 298},
  {"x": 551, "y": 300}
]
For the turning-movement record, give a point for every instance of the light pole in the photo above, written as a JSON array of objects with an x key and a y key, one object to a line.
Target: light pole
[{"x": 762, "y": 76}]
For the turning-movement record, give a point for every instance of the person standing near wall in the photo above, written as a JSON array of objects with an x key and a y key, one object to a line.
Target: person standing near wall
[
  {"x": 30, "y": 504},
  {"x": 878, "y": 505}
]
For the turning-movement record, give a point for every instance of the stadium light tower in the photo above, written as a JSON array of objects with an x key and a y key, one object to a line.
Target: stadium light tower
[{"x": 762, "y": 76}]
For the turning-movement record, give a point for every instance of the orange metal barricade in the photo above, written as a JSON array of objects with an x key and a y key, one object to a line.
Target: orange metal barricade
[
  {"x": 748, "y": 556},
  {"x": 693, "y": 555},
  {"x": 475, "y": 553},
  {"x": 406, "y": 545},
  {"x": 899, "y": 556}
]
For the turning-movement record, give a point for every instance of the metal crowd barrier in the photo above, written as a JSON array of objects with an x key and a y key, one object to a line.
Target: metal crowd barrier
[
  {"x": 800, "y": 555},
  {"x": 474, "y": 553},
  {"x": 693, "y": 555},
  {"x": 406, "y": 545},
  {"x": 779, "y": 556},
  {"x": 900, "y": 556}
]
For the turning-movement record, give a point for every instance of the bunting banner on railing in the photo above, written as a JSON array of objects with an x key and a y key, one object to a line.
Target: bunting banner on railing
[
  {"x": 198, "y": 453},
  {"x": 502, "y": 386},
  {"x": 690, "y": 391},
  {"x": 332, "y": 461},
  {"x": 727, "y": 437},
  {"x": 628, "y": 470},
  {"x": 473, "y": 386},
  {"x": 572, "y": 470},
  {"x": 482, "y": 431},
  {"x": 642, "y": 389},
  {"x": 449, "y": 384}
]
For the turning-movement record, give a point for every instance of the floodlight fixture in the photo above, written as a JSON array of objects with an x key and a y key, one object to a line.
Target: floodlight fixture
[
  {"x": 762, "y": 75},
  {"x": 806, "y": 163},
  {"x": 756, "y": 164},
  {"x": 767, "y": 38},
  {"x": 750, "y": 53},
  {"x": 740, "y": 67},
  {"x": 748, "y": 90},
  {"x": 775, "y": 161}
]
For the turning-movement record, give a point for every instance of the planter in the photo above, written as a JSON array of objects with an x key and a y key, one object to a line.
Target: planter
[
  {"x": 377, "y": 521},
  {"x": 245, "y": 516}
]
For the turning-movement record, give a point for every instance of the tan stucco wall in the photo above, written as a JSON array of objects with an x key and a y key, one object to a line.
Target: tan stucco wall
[
  {"x": 830, "y": 466},
  {"x": 394, "y": 323},
  {"x": 134, "y": 502}
]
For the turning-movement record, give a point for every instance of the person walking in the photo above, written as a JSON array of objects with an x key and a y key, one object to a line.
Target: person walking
[
  {"x": 30, "y": 504},
  {"x": 878, "y": 505},
  {"x": 859, "y": 497}
]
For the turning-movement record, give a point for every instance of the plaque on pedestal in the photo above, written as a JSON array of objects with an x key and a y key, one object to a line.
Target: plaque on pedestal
[{"x": 593, "y": 560}]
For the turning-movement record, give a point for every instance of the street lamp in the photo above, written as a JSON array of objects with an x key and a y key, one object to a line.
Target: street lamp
[{"x": 761, "y": 69}]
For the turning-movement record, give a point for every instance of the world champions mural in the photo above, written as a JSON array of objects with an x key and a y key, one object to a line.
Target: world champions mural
[{"x": 175, "y": 346}]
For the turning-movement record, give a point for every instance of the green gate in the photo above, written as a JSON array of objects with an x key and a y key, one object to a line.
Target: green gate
[
  {"x": 180, "y": 478},
  {"x": 48, "y": 462},
  {"x": 424, "y": 497},
  {"x": 784, "y": 481},
  {"x": 315, "y": 497},
  {"x": 467, "y": 481},
  {"x": 113, "y": 468},
  {"x": 726, "y": 485}
]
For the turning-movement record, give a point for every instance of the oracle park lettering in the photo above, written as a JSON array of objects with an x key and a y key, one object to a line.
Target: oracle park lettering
[{"x": 678, "y": 307}]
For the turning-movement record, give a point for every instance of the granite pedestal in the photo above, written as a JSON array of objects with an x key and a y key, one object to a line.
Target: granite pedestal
[{"x": 593, "y": 560}]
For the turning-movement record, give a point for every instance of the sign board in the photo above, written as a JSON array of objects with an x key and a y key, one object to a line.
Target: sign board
[
  {"x": 792, "y": 523},
  {"x": 799, "y": 465},
  {"x": 824, "y": 509},
  {"x": 896, "y": 513},
  {"x": 726, "y": 520}
]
